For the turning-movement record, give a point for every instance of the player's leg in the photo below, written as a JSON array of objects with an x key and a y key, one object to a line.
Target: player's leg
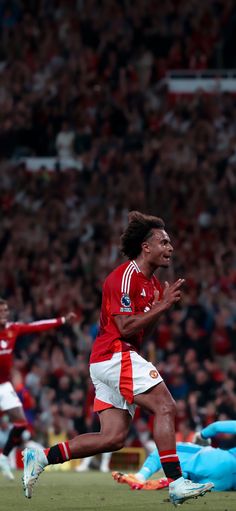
[
  {"x": 114, "y": 430},
  {"x": 115, "y": 425},
  {"x": 115, "y": 416},
  {"x": 150, "y": 466},
  {"x": 159, "y": 401},
  {"x": 11, "y": 405},
  {"x": 18, "y": 419}
]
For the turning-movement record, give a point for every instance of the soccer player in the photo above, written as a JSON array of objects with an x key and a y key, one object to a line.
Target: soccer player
[
  {"x": 10, "y": 403},
  {"x": 198, "y": 462},
  {"x": 132, "y": 302}
]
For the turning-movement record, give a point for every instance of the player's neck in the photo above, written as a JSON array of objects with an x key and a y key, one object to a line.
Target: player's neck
[{"x": 145, "y": 267}]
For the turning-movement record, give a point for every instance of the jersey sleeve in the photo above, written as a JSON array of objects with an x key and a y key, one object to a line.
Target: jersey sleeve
[
  {"x": 122, "y": 295},
  {"x": 219, "y": 427},
  {"x": 38, "y": 326}
]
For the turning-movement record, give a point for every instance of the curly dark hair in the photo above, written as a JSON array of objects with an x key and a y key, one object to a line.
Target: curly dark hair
[{"x": 139, "y": 229}]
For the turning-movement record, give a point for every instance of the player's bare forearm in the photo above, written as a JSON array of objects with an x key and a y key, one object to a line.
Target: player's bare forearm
[{"x": 130, "y": 325}]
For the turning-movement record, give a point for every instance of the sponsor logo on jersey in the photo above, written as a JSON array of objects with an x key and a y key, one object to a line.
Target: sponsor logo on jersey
[
  {"x": 125, "y": 300},
  {"x": 143, "y": 293},
  {"x": 153, "y": 374}
]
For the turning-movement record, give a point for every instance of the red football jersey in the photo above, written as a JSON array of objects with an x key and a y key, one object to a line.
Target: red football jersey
[
  {"x": 8, "y": 336},
  {"x": 126, "y": 291}
]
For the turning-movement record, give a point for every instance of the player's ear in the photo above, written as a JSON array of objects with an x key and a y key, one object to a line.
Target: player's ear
[{"x": 145, "y": 247}]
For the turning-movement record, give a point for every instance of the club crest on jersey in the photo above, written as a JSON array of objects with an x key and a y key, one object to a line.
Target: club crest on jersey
[
  {"x": 125, "y": 300},
  {"x": 3, "y": 344},
  {"x": 153, "y": 374}
]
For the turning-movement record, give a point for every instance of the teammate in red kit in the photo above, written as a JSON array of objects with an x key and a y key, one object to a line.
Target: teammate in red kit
[
  {"x": 132, "y": 302},
  {"x": 9, "y": 401}
]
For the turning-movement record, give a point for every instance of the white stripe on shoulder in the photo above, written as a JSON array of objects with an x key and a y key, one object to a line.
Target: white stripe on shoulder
[
  {"x": 124, "y": 274},
  {"x": 131, "y": 268},
  {"x": 129, "y": 281},
  {"x": 136, "y": 266},
  {"x": 125, "y": 284}
]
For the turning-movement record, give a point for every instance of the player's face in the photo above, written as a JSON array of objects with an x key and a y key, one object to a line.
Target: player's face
[
  {"x": 160, "y": 248},
  {"x": 4, "y": 314}
]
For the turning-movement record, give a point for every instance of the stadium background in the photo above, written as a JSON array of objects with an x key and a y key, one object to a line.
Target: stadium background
[{"x": 90, "y": 129}]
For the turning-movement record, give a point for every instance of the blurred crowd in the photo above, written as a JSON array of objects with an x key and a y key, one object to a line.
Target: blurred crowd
[
  {"x": 88, "y": 86},
  {"x": 75, "y": 70}
]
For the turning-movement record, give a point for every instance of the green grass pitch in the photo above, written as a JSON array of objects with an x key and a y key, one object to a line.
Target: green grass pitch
[{"x": 94, "y": 491}]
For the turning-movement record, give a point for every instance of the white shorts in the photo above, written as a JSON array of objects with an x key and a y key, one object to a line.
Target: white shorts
[
  {"x": 8, "y": 397},
  {"x": 119, "y": 379}
]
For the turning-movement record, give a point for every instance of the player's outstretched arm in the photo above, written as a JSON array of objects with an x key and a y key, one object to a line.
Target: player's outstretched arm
[
  {"x": 46, "y": 324},
  {"x": 219, "y": 427}
]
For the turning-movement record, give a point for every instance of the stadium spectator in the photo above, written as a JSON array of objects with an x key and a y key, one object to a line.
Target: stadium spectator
[{"x": 65, "y": 142}]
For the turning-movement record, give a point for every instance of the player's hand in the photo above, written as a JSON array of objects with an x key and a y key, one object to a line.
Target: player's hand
[
  {"x": 71, "y": 318},
  {"x": 172, "y": 293},
  {"x": 156, "y": 298}
]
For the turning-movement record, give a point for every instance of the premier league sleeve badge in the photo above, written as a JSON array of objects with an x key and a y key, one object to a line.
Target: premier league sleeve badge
[{"x": 126, "y": 303}]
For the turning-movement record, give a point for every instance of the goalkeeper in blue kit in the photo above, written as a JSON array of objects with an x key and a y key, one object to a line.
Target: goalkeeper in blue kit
[{"x": 198, "y": 463}]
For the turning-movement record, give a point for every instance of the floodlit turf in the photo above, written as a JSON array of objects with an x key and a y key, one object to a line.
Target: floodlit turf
[{"x": 93, "y": 491}]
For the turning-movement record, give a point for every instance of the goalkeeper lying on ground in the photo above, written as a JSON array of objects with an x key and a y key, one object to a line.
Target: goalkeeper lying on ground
[{"x": 198, "y": 463}]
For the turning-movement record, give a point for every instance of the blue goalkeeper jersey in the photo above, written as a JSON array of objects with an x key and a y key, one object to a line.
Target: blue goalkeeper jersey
[{"x": 203, "y": 464}]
